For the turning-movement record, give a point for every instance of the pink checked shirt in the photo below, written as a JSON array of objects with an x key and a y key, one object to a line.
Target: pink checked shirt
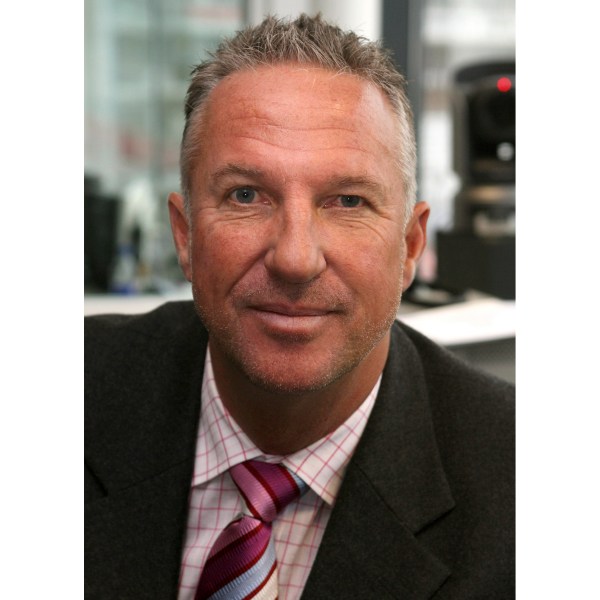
[{"x": 215, "y": 500}]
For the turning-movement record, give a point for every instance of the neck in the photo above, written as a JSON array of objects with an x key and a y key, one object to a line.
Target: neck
[{"x": 282, "y": 424}]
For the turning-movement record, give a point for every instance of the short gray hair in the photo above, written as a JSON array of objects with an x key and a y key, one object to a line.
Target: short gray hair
[{"x": 305, "y": 40}]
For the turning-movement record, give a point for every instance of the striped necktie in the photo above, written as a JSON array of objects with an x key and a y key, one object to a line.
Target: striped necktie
[{"x": 242, "y": 562}]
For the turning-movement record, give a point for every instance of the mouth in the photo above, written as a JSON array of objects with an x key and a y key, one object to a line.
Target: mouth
[
  {"x": 293, "y": 311},
  {"x": 282, "y": 320}
]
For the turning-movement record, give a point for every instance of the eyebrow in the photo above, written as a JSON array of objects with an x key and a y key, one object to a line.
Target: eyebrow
[
  {"x": 361, "y": 181},
  {"x": 233, "y": 169}
]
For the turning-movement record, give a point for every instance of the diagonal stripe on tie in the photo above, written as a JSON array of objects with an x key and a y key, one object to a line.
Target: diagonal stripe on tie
[
  {"x": 242, "y": 563},
  {"x": 253, "y": 581}
]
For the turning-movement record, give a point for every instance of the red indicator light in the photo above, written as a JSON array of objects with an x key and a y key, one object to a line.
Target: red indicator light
[{"x": 504, "y": 84}]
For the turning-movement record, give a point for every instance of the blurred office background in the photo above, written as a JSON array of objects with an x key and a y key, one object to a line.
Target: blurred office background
[{"x": 458, "y": 56}]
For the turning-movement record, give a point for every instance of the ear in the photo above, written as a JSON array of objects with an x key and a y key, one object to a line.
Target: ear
[
  {"x": 415, "y": 238},
  {"x": 180, "y": 228}
]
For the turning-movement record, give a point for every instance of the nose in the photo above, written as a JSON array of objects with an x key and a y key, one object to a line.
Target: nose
[{"x": 295, "y": 253}]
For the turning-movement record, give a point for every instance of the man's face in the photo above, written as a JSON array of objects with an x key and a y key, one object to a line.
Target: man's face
[{"x": 296, "y": 245}]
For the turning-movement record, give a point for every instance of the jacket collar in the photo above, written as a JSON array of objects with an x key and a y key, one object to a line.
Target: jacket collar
[{"x": 394, "y": 487}]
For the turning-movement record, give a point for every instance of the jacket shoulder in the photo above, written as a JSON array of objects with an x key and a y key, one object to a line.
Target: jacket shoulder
[
  {"x": 447, "y": 374},
  {"x": 164, "y": 320},
  {"x": 473, "y": 412},
  {"x": 142, "y": 378}
]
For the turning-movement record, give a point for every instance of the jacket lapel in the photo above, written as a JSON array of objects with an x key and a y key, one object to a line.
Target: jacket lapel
[
  {"x": 142, "y": 459},
  {"x": 394, "y": 486}
]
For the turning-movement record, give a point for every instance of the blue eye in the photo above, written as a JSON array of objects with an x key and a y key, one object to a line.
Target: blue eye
[
  {"x": 245, "y": 195},
  {"x": 350, "y": 201}
]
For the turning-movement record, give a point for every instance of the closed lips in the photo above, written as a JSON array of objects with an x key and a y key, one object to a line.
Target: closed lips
[{"x": 292, "y": 311}]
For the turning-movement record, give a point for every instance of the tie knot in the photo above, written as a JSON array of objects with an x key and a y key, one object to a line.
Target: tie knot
[{"x": 266, "y": 488}]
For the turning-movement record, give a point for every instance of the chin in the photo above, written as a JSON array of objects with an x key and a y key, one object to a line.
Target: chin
[
  {"x": 297, "y": 373},
  {"x": 284, "y": 372},
  {"x": 287, "y": 384}
]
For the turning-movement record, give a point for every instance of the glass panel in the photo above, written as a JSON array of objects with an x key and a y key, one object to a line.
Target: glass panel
[{"x": 138, "y": 56}]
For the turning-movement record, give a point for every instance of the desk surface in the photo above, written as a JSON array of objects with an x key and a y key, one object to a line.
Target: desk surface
[{"x": 475, "y": 320}]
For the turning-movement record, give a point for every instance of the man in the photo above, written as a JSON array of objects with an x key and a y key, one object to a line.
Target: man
[{"x": 298, "y": 230}]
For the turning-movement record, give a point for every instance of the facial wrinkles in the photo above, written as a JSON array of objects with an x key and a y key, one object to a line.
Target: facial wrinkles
[
  {"x": 315, "y": 172},
  {"x": 256, "y": 284},
  {"x": 299, "y": 144},
  {"x": 282, "y": 124},
  {"x": 330, "y": 290},
  {"x": 330, "y": 112},
  {"x": 299, "y": 137}
]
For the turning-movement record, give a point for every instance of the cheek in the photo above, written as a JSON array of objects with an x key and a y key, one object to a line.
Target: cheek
[
  {"x": 222, "y": 254},
  {"x": 374, "y": 267}
]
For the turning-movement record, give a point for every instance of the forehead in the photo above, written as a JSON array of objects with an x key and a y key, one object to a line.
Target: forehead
[{"x": 295, "y": 112}]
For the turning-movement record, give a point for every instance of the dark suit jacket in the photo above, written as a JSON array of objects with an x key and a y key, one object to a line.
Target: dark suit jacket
[{"x": 426, "y": 509}]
